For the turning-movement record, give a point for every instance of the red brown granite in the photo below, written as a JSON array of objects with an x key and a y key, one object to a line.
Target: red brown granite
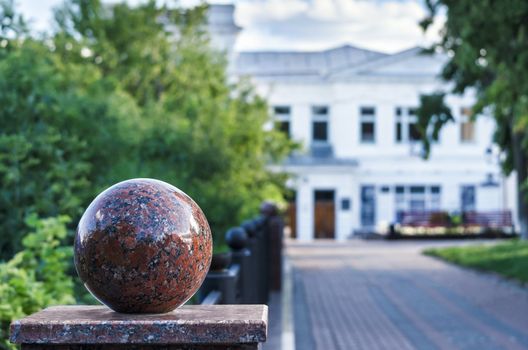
[
  {"x": 140, "y": 347},
  {"x": 143, "y": 246},
  {"x": 188, "y": 327}
]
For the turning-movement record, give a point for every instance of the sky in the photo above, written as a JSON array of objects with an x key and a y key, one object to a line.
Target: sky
[{"x": 382, "y": 25}]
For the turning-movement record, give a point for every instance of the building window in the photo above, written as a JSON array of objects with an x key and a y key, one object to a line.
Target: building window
[
  {"x": 320, "y": 110},
  {"x": 282, "y": 119},
  {"x": 368, "y": 111},
  {"x": 367, "y": 124},
  {"x": 367, "y": 131},
  {"x": 320, "y": 130},
  {"x": 417, "y": 198},
  {"x": 406, "y": 125},
  {"x": 414, "y": 133},
  {"x": 467, "y": 126},
  {"x": 399, "y": 134},
  {"x": 281, "y": 110},
  {"x": 283, "y": 126},
  {"x": 320, "y": 123},
  {"x": 434, "y": 201},
  {"x": 368, "y": 206},
  {"x": 467, "y": 198}
]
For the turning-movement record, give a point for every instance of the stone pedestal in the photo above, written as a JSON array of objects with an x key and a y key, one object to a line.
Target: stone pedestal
[{"x": 197, "y": 327}]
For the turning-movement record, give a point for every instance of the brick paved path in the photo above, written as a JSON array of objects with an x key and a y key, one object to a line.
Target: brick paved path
[{"x": 386, "y": 295}]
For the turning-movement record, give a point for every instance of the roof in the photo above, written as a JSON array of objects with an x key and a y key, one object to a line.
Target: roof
[
  {"x": 338, "y": 63},
  {"x": 411, "y": 62},
  {"x": 303, "y": 62}
]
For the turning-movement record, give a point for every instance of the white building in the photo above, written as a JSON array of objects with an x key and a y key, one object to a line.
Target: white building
[{"x": 353, "y": 110}]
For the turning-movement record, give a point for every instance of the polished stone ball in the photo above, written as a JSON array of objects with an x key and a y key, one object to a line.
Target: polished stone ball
[
  {"x": 143, "y": 246},
  {"x": 236, "y": 238}
]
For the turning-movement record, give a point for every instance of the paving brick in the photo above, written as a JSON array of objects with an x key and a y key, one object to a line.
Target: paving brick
[{"x": 386, "y": 295}]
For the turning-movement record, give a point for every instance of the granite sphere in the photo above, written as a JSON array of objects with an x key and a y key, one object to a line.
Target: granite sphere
[{"x": 143, "y": 246}]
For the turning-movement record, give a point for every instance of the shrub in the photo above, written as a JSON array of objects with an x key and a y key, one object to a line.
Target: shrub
[{"x": 37, "y": 276}]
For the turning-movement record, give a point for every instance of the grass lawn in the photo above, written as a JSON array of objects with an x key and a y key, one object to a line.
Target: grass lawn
[{"x": 509, "y": 259}]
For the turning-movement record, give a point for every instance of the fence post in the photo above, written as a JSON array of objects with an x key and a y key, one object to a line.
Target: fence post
[
  {"x": 225, "y": 281},
  {"x": 237, "y": 240},
  {"x": 274, "y": 230},
  {"x": 254, "y": 229},
  {"x": 218, "y": 327},
  {"x": 263, "y": 248}
]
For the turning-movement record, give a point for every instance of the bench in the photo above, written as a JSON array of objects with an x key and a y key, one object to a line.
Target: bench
[
  {"x": 488, "y": 220},
  {"x": 428, "y": 219},
  {"x": 471, "y": 222}
]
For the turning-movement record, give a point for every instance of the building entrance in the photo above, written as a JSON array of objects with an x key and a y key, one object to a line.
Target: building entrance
[{"x": 324, "y": 214}]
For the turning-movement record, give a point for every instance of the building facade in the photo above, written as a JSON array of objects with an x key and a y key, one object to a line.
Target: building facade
[{"x": 361, "y": 166}]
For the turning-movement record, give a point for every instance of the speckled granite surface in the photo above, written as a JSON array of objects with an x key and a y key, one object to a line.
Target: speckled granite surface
[
  {"x": 199, "y": 325},
  {"x": 143, "y": 246},
  {"x": 141, "y": 347}
]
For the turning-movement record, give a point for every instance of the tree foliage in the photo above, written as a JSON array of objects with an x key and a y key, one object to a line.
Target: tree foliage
[
  {"x": 117, "y": 92},
  {"x": 58, "y": 121},
  {"x": 36, "y": 277},
  {"x": 432, "y": 115},
  {"x": 487, "y": 42}
]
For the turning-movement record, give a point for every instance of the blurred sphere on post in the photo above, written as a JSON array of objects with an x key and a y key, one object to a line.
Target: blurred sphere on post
[
  {"x": 269, "y": 209},
  {"x": 236, "y": 238},
  {"x": 143, "y": 246}
]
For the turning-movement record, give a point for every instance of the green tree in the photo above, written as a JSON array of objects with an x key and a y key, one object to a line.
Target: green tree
[
  {"x": 199, "y": 132},
  {"x": 487, "y": 42},
  {"x": 36, "y": 277},
  {"x": 58, "y": 121},
  {"x": 121, "y": 92}
]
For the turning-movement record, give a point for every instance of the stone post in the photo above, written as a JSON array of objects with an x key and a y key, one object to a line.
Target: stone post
[
  {"x": 226, "y": 282},
  {"x": 237, "y": 239},
  {"x": 246, "y": 283},
  {"x": 257, "y": 244},
  {"x": 143, "y": 248},
  {"x": 254, "y": 296},
  {"x": 274, "y": 230},
  {"x": 199, "y": 327}
]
